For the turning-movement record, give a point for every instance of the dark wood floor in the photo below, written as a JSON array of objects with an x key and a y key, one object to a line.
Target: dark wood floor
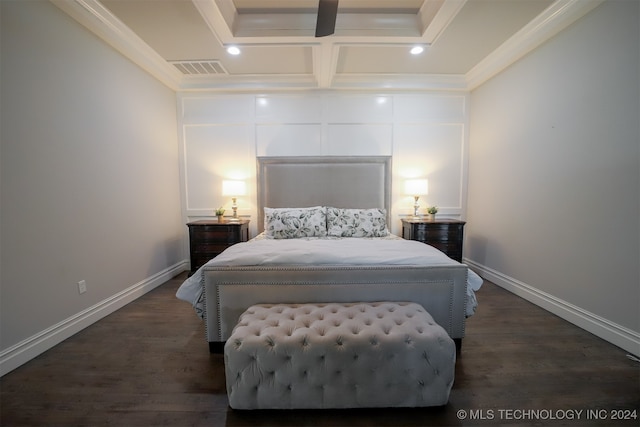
[{"x": 148, "y": 365}]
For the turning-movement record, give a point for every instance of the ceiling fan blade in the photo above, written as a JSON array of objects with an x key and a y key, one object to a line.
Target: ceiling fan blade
[{"x": 326, "y": 23}]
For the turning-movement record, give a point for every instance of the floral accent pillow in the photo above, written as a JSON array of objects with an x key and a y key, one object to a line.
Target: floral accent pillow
[
  {"x": 357, "y": 222},
  {"x": 294, "y": 223}
]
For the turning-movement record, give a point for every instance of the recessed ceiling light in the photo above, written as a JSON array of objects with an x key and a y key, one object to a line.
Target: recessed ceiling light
[
  {"x": 417, "y": 50},
  {"x": 233, "y": 50}
]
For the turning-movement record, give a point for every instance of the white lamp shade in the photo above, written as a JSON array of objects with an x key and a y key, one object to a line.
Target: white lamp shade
[
  {"x": 416, "y": 187},
  {"x": 233, "y": 188}
]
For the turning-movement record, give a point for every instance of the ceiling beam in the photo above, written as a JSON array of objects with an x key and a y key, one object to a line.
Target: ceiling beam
[
  {"x": 220, "y": 17},
  {"x": 325, "y": 59},
  {"x": 435, "y": 25}
]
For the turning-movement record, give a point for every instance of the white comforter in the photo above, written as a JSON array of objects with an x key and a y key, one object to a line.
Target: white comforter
[{"x": 326, "y": 251}]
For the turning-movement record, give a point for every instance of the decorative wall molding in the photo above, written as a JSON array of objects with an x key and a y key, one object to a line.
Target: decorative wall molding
[
  {"x": 221, "y": 134},
  {"x": 609, "y": 331},
  {"x": 24, "y": 351}
]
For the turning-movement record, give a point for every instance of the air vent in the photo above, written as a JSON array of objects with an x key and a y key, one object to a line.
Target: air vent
[{"x": 199, "y": 68}]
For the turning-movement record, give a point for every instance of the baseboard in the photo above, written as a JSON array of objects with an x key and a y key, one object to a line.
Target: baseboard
[
  {"x": 35, "y": 345},
  {"x": 609, "y": 331}
]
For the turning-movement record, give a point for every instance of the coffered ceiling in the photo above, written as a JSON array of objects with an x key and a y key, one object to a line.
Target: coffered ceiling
[{"x": 184, "y": 42}]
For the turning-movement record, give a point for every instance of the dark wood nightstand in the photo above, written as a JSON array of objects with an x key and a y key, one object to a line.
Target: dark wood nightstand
[
  {"x": 444, "y": 234},
  {"x": 208, "y": 238}
]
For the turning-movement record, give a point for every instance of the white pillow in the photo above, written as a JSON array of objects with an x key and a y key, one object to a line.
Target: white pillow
[
  {"x": 357, "y": 222},
  {"x": 293, "y": 223}
]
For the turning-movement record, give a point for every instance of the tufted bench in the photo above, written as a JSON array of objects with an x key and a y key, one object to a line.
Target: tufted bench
[{"x": 338, "y": 356}]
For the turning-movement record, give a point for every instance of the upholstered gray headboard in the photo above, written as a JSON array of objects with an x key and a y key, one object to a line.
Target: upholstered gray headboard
[{"x": 341, "y": 182}]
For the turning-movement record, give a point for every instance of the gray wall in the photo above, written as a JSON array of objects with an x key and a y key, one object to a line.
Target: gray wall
[
  {"x": 553, "y": 201},
  {"x": 90, "y": 179}
]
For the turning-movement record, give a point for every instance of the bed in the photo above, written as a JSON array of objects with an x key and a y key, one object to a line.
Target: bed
[{"x": 308, "y": 250}]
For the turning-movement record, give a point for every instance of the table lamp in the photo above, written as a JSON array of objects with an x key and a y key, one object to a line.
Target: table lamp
[
  {"x": 233, "y": 189},
  {"x": 416, "y": 188}
]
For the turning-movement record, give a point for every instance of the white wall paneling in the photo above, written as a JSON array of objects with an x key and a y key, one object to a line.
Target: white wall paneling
[
  {"x": 425, "y": 134},
  {"x": 212, "y": 154},
  {"x": 436, "y": 108},
  {"x": 430, "y": 141},
  {"x": 358, "y": 109},
  {"x": 217, "y": 109},
  {"x": 434, "y": 151},
  {"x": 289, "y": 140},
  {"x": 288, "y": 109},
  {"x": 359, "y": 140}
]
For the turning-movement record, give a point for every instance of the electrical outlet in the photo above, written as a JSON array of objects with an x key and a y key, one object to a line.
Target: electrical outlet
[{"x": 82, "y": 286}]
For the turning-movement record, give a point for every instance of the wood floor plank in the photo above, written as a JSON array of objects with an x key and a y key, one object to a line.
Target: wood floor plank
[{"x": 148, "y": 365}]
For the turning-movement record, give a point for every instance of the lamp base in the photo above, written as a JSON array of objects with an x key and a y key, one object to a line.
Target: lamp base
[
  {"x": 234, "y": 218},
  {"x": 416, "y": 207}
]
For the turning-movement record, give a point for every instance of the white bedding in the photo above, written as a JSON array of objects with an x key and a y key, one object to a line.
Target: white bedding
[{"x": 391, "y": 250}]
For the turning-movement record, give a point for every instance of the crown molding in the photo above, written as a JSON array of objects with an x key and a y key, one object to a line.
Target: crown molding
[
  {"x": 248, "y": 83},
  {"x": 99, "y": 20},
  {"x": 554, "y": 19}
]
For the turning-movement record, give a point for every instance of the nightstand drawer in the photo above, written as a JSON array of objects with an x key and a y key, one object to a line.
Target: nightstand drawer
[
  {"x": 438, "y": 232},
  {"x": 208, "y": 235},
  {"x": 445, "y": 235},
  {"x": 207, "y": 239}
]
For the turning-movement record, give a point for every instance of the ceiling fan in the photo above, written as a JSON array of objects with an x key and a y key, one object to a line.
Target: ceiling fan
[{"x": 326, "y": 23}]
